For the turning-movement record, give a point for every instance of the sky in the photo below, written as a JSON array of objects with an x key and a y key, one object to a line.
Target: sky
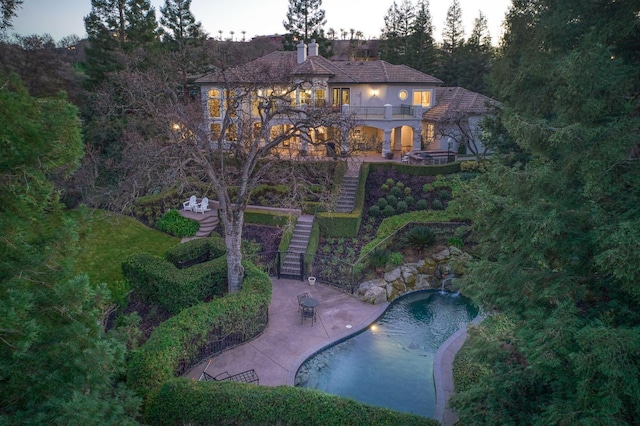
[{"x": 61, "y": 18}]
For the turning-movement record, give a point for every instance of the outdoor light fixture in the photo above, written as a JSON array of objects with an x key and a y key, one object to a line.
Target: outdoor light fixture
[{"x": 374, "y": 92}]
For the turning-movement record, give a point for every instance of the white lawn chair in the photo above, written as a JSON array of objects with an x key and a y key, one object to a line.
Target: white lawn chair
[
  {"x": 203, "y": 206},
  {"x": 190, "y": 204}
]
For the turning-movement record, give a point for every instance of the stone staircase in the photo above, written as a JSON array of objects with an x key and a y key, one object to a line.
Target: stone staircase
[
  {"x": 347, "y": 198},
  {"x": 208, "y": 224},
  {"x": 299, "y": 242}
]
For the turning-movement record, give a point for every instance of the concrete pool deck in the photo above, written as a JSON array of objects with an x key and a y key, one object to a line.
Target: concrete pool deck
[{"x": 279, "y": 351}]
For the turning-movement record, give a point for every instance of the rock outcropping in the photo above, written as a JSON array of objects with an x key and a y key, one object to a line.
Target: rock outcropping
[{"x": 439, "y": 270}]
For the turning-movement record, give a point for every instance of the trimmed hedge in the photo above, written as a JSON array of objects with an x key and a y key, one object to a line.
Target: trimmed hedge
[
  {"x": 185, "y": 339},
  {"x": 346, "y": 225},
  {"x": 181, "y": 401},
  {"x": 440, "y": 169},
  {"x": 159, "y": 282},
  {"x": 265, "y": 217},
  {"x": 212, "y": 247}
]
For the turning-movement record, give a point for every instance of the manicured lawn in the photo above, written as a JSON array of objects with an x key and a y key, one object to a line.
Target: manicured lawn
[{"x": 108, "y": 238}]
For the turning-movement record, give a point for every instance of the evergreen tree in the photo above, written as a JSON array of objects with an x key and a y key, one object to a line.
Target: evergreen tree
[
  {"x": 305, "y": 22},
  {"x": 57, "y": 364},
  {"x": 185, "y": 38},
  {"x": 114, "y": 28},
  {"x": 477, "y": 56},
  {"x": 7, "y": 12},
  {"x": 422, "y": 51},
  {"x": 180, "y": 26},
  {"x": 450, "y": 54},
  {"x": 396, "y": 33},
  {"x": 558, "y": 229}
]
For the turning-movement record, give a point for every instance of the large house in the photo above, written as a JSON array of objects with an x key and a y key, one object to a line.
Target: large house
[{"x": 396, "y": 108}]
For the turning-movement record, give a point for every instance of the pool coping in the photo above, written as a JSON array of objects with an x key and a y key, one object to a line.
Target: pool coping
[{"x": 443, "y": 373}]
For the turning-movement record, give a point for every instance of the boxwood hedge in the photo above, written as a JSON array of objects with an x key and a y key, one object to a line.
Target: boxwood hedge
[
  {"x": 181, "y": 401},
  {"x": 185, "y": 339},
  {"x": 159, "y": 282}
]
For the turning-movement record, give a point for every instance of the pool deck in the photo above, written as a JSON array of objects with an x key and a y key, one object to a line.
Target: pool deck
[{"x": 279, "y": 351}]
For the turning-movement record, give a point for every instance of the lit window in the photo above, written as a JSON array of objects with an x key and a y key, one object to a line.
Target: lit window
[
  {"x": 305, "y": 97},
  {"x": 215, "y": 131},
  {"x": 320, "y": 96},
  {"x": 422, "y": 98}
]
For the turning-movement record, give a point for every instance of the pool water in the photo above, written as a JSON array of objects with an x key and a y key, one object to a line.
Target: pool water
[{"x": 390, "y": 364}]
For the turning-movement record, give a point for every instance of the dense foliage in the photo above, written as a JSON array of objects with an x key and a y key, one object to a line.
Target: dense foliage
[
  {"x": 187, "y": 402},
  {"x": 558, "y": 224},
  {"x": 57, "y": 364}
]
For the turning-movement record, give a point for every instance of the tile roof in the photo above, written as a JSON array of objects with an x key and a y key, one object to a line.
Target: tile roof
[
  {"x": 279, "y": 66},
  {"x": 451, "y": 102}
]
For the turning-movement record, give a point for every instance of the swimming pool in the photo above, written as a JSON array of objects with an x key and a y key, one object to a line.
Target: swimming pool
[{"x": 390, "y": 364}]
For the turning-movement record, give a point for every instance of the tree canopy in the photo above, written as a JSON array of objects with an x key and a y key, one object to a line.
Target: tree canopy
[
  {"x": 557, "y": 220},
  {"x": 57, "y": 365}
]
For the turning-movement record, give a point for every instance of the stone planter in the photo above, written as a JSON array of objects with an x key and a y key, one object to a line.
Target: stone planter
[{"x": 312, "y": 280}]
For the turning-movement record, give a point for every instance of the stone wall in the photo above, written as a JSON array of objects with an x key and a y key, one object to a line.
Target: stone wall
[{"x": 436, "y": 271}]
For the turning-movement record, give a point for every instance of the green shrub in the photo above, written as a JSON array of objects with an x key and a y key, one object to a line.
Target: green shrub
[
  {"x": 437, "y": 205},
  {"x": 402, "y": 207},
  {"x": 396, "y": 258},
  {"x": 444, "y": 195},
  {"x": 422, "y": 204},
  {"x": 409, "y": 200},
  {"x": 388, "y": 211},
  {"x": 161, "y": 283},
  {"x": 392, "y": 200},
  {"x": 374, "y": 210},
  {"x": 382, "y": 203},
  {"x": 420, "y": 237},
  {"x": 181, "y": 401},
  {"x": 384, "y": 187},
  {"x": 396, "y": 191},
  {"x": 399, "y": 185},
  {"x": 407, "y": 191},
  {"x": 427, "y": 187},
  {"x": 210, "y": 247},
  {"x": 379, "y": 257},
  {"x": 390, "y": 182},
  {"x": 456, "y": 242},
  {"x": 175, "y": 224}
]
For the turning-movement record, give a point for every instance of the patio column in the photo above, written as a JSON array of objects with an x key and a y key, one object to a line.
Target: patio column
[
  {"x": 386, "y": 143},
  {"x": 417, "y": 133}
]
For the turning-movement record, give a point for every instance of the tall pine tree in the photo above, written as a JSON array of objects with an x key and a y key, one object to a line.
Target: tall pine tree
[
  {"x": 451, "y": 51},
  {"x": 305, "y": 22}
]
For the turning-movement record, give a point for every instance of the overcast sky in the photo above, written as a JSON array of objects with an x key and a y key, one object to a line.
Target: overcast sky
[{"x": 61, "y": 18}]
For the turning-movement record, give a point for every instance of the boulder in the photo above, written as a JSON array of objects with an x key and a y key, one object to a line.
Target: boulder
[
  {"x": 442, "y": 255},
  {"x": 367, "y": 285},
  {"x": 393, "y": 275},
  {"x": 375, "y": 295},
  {"x": 427, "y": 266}
]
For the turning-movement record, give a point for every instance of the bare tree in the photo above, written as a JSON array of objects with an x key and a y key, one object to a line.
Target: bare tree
[{"x": 460, "y": 128}]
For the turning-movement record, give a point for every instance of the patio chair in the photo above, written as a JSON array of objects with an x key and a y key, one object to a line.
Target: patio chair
[
  {"x": 307, "y": 312},
  {"x": 203, "y": 206},
  {"x": 300, "y": 298},
  {"x": 190, "y": 204}
]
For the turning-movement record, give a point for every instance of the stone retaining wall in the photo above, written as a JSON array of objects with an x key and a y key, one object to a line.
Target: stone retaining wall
[{"x": 439, "y": 270}]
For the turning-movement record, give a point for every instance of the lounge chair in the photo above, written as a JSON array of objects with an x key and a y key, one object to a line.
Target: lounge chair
[
  {"x": 190, "y": 204},
  {"x": 203, "y": 206}
]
